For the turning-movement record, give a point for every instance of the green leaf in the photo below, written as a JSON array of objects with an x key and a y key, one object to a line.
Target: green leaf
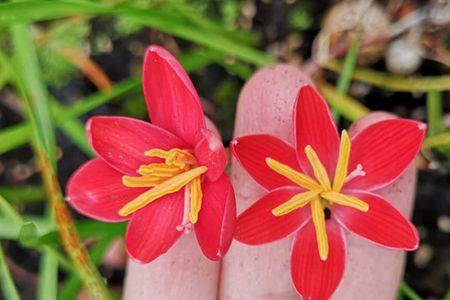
[
  {"x": 87, "y": 229},
  {"x": 394, "y": 82},
  {"x": 22, "y": 193},
  {"x": 27, "y": 67},
  {"x": 164, "y": 21},
  {"x": 7, "y": 283}
]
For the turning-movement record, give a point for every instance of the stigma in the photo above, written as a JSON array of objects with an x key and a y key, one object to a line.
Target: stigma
[
  {"x": 178, "y": 170},
  {"x": 320, "y": 192}
]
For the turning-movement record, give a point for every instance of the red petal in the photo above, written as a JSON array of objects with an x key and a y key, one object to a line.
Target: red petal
[
  {"x": 382, "y": 224},
  {"x": 153, "y": 229},
  {"x": 252, "y": 150},
  {"x": 172, "y": 100},
  {"x": 121, "y": 141},
  {"x": 96, "y": 190},
  {"x": 314, "y": 278},
  {"x": 384, "y": 150},
  {"x": 257, "y": 225},
  {"x": 210, "y": 152},
  {"x": 217, "y": 218},
  {"x": 315, "y": 126}
]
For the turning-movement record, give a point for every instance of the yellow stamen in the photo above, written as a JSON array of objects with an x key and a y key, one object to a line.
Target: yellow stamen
[
  {"x": 175, "y": 156},
  {"x": 142, "y": 181},
  {"x": 196, "y": 195},
  {"x": 319, "y": 170},
  {"x": 301, "y": 179},
  {"x": 156, "y": 152},
  {"x": 342, "y": 165},
  {"x": 346, "y": 200},
  {"x": 318, "y": 216},
  {"x": 169, "y": 186},
  {"x": 295, "y": 202},
  {"x": 159, "y": 169}
]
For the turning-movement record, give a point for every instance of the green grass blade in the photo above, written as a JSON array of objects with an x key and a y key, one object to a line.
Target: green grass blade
[
  {"x": 31, "y": 11},
  {"x": 406, "y": 290},
  {"x": 434, "y": 111},
  {"x": 437, "y": 140},
  {"x": 345, "y": 77},
  {"x": 394, "y": 82},
  {"x": 7, "y": 283},
  {"x": 48, "y": 277},
  {"x": 348, "y": 107},
  {"x": 22, "y": 193},
  {"x": 28, "y": 69}
]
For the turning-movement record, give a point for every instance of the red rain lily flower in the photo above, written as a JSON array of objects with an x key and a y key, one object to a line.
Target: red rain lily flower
[
  {"x": 166, "y": 177},
  {"x": 324, "y": 184}
]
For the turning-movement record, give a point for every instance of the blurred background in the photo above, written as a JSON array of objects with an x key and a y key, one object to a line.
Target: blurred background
[{"x": 64, "y": 61}]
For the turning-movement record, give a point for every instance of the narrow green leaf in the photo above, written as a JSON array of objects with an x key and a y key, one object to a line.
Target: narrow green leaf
[
  {"x": 406, "y": 290},
  {"x": 345, "y": 105},
  {"x": 28, "y": 69},
  {"x": 394, "y": 82},
  {"x": 22, "y": 193},
  {"x": 7, "y": 283},
  {"x": 434, "y": 110},
  {"x": 345, "y": 77},
  {"x": 437, "y": 140}
]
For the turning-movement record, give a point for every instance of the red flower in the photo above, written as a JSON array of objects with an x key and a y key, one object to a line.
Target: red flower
[
  {"x": 325, "y": 184},
  {"x": 163, "y": 177}
]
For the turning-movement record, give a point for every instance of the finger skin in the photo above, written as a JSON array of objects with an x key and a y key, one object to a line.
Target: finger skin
[
  {"x": 373, "y": 272},
  {"x": 263, "y": 272},
  {"x": 181, "y": 273},
  {"x": 265, "y": 106}
]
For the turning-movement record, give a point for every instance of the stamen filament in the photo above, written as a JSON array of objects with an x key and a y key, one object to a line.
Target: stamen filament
[
  {"x": 295, "y": 202},
  {"x": 196, "y": 196},
  {"x": 318, "y": 216},
  {"x": 342, "y": 164},
  {"x": 346, "y": 200},
  {"x": 319, "y": 170},
  {"x": 169, "y": 186},
  {"x": 301, "y": 179}
]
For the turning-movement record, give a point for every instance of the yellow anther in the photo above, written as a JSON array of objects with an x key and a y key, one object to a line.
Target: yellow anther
[
  {"x": 173, "y": 156},
  {"x": 159, "y": 169},
  {"x": 319, "y": 170},
  {"x": 342, "y": 165},
  {"x": 196, "y": 196},
  {"x": 318, "y": 216},
  {"x": 169, "y": 186},
  {"x": 142, "y": 181},
  {"x": 301, "y": 179},
  {"x": 346, "y": 200},
  {"x": 156, "y": 152},
  {"x": 295, "y": 202}
]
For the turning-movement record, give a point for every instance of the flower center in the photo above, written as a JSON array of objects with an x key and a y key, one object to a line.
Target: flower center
[
  {"x": 179, "y": 169},
  {"x": 320, "y": 192}
]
